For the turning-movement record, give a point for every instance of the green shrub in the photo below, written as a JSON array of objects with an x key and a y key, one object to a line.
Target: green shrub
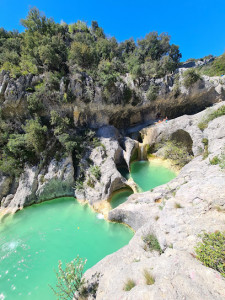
[
  {"x": 96, "y": 172},
  {"x": 152, "y": 92},
  {"x": 90, "y": 182},
  {"x": 213, "y": 115},
  {"x": 222, "y": 160},
  {"x": 35, "y": 135},
  {"x": 67, "y": 142},
  {"x": 177, "y": 152},
  {"x": 190, "y": 77},
  {"x": 34, "y": 101},
  {"x": 205, "y": 141},
  {"x": 130, "y": 283},
  {"x": 215, "y": 160},
  {"x": 202, "y": 126},
  {"x": 79, "y": 185},
  {"x": 69, "y": 280},
  {"x": 206, "y": 151},
  {"x": 152, "y": 243},
  {"x": 215, "y": 68},
  {"x": 10, "y": 165},
  {"x": 149, "y": 279},
  {"x": 60, "y": 123},
  {"x": 211, "y": 251}
]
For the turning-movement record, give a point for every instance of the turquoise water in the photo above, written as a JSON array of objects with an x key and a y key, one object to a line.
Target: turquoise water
[
  {"x": 148, "y": 175},
  {"x": 33, "y": 241},
  {"x": 120, "y": 197}
]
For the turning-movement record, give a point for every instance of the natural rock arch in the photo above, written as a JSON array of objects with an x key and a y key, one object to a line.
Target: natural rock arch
[{"x": 183, "y": 137}]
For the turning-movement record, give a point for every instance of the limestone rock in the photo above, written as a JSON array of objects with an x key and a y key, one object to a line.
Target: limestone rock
[
  {"x": 131, "y": 150},
  {"x": 106, "y": 158},
  {"x": 5, "y": 183},
  {"x": 58, "y": 181},
  {"x": 35, "y": 185},
  {"x": 25, "y": 193},
  {"x": 176, "y": 213}
]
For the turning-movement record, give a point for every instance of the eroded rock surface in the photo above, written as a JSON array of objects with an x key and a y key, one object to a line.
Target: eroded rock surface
[
  {"x": 105, "y": 157},
  {"x": 36, "y": 185},
  {"x": 176, "y": 213}
]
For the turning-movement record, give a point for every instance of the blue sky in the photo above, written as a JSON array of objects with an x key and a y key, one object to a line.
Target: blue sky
[{"x": 196, "y": 26}]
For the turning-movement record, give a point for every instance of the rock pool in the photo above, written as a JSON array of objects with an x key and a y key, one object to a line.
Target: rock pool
[
  {"x": 149, "y": 174},
  {"x": 33, "y": 241}
]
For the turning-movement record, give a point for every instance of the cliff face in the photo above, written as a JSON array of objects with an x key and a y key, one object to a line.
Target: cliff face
[
  {"x": 37, "y": 184},
  {"x": 127, "y": 104}
]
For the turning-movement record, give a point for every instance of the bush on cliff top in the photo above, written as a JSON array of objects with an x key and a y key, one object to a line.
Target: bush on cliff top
[
  {"x": 190, "y": 77},
  {"x": 48, "y": 46},
  {"x": 213, "y": 115},
  {"x": 215, "y": 68}
]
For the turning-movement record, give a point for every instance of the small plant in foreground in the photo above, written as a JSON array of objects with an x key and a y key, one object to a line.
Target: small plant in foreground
[
  {"x": 202, "y": 125},
  {"x": 177, "y": 205},
  {"x": 130, "y": 283},
  {"x": 206, "y": 150},
  {"x": 69, "y": 280},
  {"x": 219, "y": 208},
  {"x": 215, "y": 160},
  {"x": 222, "y": 160},
  {"x": 211, "y": 251},
  {"x": 152, "y": 243},
  {"x": 149, "y": 279}
]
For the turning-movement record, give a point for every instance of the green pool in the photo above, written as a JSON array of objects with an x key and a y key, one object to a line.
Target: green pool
[
  {"x": 33, "y": 241},
  {"x": 120, "y": 197},
  {"x": 148, "y": 175}
]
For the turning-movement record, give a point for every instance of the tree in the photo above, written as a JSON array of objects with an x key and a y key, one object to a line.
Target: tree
[
  {"x": 154, "y": 46},
  {"x": 81, "y": 54},
  {"x": 107, "y": 75},
  {"x": 35, "y": 135},
  {"x": 60, "y": 123},
  {"x": 37, "y": 22},
  {"x": 127, "y": 47},
  {"x": 43, "y": 43}
]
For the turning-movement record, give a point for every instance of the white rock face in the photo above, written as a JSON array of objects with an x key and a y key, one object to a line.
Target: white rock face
[
  {"x": 189, "y": 124},
  {"x": 200, "y": 190},
  {"x": 35, "y": 185},
  {"x": 58, "y": 181},
  {"x": 25, "y": 193},
  {"x": 130, "y": 147},
  {"x": 111, "y": 179}
]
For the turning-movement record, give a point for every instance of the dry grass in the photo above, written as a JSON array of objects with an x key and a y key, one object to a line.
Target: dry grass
[
  {"x": 130, "y": 283},
  {"x": 177, "y": 205},
  {"x": 149, "y": 279}
]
